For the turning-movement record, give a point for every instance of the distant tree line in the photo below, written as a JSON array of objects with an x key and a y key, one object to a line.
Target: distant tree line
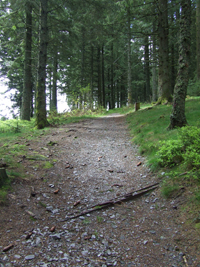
[{"x": 99, "y": 52}]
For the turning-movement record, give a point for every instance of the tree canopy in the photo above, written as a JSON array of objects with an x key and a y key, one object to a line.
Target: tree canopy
[{"x": 99, "y": 52}]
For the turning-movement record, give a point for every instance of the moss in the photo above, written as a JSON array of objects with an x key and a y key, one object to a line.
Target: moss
[{"x": 48, "y": 165}]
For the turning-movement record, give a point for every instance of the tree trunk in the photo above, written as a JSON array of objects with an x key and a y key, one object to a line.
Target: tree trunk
[
  {"x": 178, "y": 118},
  {"x": 154, "y": 72},
  {"x": 92, "y": 77},
  {"x": 198, "y": 38},
  {"x": 99, "y": 78},
  {"x": 129, "y": 58},
  {"x": 41, "y": 116},
  {"x": 103, "y": 78},
  {"x": 112, "y": 78},
  {"x": 54, "y": 91},
  {"x": 50, "y": 89},
  {"x": 164, "y": 84},
  {"x": 147, "y": 72},
  {"x": 27, "y": 88}
]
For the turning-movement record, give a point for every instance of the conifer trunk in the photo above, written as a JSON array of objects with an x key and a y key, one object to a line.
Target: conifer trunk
[
  {"x": 129, "y": 58},
  {"x": 41, "y": 116},
  {"x": 54, "y": 91},
  {"x": 198, "y": 38},
  {"x": 27, "y": 87},
  {"x": 178, "y": 118},
  {"x": 147, "y": 71},
  {"x": 164, "y": 84}
]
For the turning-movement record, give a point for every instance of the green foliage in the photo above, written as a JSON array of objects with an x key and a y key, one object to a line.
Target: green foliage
[
  {"x": 99, "y": 219},
  {"x": 184, "y": 150},
  {"x": 167, "y": 190},
  {"x": 15, "y": 126},
  {"x": 193, "y": 88},
  {"x": 48, "y": 165},
  {"x": 170, "y": 153}
]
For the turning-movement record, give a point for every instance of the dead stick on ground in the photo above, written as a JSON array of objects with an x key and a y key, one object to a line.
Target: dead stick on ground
[{"x": 119, "y": 200}]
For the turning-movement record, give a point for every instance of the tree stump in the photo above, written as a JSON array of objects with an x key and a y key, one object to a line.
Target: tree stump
[
  {"x": 3, "y": 176},
  {"x": 137, "y": 106}
]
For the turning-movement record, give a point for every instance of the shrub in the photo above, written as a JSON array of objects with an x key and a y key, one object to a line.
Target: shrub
[
  {"x": 186, "y": 149},
  {"x": 170, "y": 153}
]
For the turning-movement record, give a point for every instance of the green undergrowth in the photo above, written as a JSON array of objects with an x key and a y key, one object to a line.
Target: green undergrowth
[{"x": 174, "y": 154}]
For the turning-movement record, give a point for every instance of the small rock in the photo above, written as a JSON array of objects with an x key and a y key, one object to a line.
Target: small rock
[
  {"x": 38, "y": 241},
  {"x": 56, "y": 236},
  {"x": 109, "y": 252},
  {"x": 155, "y": 199},
  {"x": 152, "y": 232},
  {"x": 49, "y": 208},
  {"x": 17, "y": 256},
  {"x": 29, "y": 257},
  {"x": 85, "y": 253},
  {"x": 55, "y": 211}
]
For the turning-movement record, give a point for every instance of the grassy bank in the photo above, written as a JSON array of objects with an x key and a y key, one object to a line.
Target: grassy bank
[{"x": 174, "y": 155}]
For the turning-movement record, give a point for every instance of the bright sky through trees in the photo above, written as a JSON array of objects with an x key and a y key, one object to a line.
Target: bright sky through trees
[{"x": 6, "y": 109}]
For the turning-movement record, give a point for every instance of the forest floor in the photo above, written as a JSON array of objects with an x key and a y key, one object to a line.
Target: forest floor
[{"x": 89, "y": 163}]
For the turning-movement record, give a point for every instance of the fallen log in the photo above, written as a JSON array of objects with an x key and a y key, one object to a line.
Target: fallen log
[{"x": 112, "y": 202}]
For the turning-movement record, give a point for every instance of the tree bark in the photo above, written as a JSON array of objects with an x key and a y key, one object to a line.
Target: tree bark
[
  {"x": 198, "y": 38},
  {"x": 154, "y": 72},
  {"x": 41, "y": 116},
  {"x": 112, "y": 78},
  {"x": 92, "y": 77},
  {"x": 147, "y": 72},
  {"x": 129, "y": 58},
  {"x": 164, "y": 84},
  {"x": 55, "y": 78},
  {"x": 27, "y": 88},
  {"x": 178, "y": 118},
  {"x": 103, "y": 78},
  {"x": 99, "y": 78}
]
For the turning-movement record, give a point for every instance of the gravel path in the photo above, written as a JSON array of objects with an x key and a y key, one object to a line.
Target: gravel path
[{"x": 94, "y": 161}]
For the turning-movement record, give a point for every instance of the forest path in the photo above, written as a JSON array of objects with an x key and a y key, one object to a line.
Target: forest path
[{"x": 94, "y": 161}]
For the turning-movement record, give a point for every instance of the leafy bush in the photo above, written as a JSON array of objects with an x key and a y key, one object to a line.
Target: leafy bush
[
  {"x": 186, "y": 149},
  {"x": 170, "y": 152}
]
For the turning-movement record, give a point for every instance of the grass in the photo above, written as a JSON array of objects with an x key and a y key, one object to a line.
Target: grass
[{"x": 148, "y": 127}]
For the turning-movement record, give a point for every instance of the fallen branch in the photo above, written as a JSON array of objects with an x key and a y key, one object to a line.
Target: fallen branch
[{"x": 112, "y": 202}]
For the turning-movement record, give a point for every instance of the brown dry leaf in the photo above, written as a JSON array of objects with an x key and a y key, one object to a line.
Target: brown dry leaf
[
  {"x": 87, "y": 237},
  {"x": 8, "y": 247},
  {"x": 29, "y": 235},
  {"x": 53, "y": 228},
  {"x": 56, "y": 191},
  {"x": 76, "y": 203}
]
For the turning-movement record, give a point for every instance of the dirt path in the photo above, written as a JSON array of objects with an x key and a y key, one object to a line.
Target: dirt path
[{"x": 94, "y": 161}]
